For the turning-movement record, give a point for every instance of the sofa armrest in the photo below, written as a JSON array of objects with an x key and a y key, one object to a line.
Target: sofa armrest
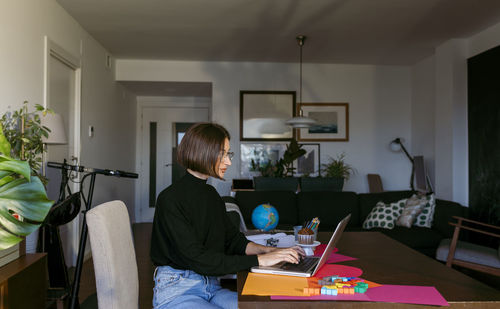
[{"x": 444, "y": 212}]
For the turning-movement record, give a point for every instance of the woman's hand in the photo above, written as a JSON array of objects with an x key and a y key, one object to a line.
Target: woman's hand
[{"x": 291, "y": 255}]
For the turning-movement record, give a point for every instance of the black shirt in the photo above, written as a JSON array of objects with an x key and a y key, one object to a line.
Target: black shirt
[{"x": 191, "y": 230}]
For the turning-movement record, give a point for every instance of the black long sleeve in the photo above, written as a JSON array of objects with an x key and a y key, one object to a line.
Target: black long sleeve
[{"x": 191, "y": 230}]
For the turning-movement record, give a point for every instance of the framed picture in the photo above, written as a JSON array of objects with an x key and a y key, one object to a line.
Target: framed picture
[
  {"x": 332, "y": 122},
  {"x": 308, "y": 164},
  {"x": 263, "y": 115},
  {"x": 261, "y": 154}
]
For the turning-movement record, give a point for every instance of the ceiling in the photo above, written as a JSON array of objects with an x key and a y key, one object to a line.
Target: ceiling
[{"x": 381, "y": 32}]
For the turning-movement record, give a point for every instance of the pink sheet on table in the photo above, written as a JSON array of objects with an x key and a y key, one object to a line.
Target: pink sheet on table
[
  {"x": 334, "y": 257},
  {"x": 338, "y": 270},
  {"x": 407, "y": 294}
]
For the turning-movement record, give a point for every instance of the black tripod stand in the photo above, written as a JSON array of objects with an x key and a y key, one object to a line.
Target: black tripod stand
[{"x": 87, "y": 200}]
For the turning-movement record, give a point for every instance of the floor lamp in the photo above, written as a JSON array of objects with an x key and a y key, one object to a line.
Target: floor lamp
[{"x": 397, "y": 145}]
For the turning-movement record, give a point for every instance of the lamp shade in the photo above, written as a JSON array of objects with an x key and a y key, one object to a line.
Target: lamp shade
[
  {"x": 300, "y": 122},
  {"x": 55, "y": 123}
]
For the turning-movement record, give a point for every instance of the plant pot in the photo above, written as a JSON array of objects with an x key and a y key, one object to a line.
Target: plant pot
[
  {"x": 308, "y": 184},
  {"x": 275, "y": 183}
]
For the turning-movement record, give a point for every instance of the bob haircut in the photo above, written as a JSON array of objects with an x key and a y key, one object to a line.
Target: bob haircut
[{"x": 201, "y": 148}]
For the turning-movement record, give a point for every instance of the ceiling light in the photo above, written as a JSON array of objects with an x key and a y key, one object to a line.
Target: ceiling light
[{"x": 300, "y": 121}]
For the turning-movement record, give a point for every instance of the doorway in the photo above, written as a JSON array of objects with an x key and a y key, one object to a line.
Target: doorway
[
  {"x": 162, "y": 129},
  {"x": 62, "y": 95}
]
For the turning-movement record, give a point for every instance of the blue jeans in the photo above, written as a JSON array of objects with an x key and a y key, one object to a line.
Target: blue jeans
[{"x": 176, "y": 288}]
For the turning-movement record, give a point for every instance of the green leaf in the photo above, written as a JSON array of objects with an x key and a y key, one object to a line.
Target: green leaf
[
  {"x": 29, "y": 200},
  {"x": 7, "y": 240},
  {"x": 4, "y": 143},
  {"x": 17, "y": 166}
]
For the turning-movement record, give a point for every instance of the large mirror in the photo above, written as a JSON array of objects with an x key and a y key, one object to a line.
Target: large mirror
[{"x": 263, "y": 115}]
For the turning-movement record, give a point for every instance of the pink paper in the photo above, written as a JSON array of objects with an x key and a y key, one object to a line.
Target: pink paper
[
  {"x": 334, "y": 257},
  {"x": 338, "y": 270},
  {"x": 407, "y": 294},
  {"x": 321, "y": 248}
]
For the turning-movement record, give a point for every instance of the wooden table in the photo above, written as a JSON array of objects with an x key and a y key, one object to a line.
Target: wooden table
[
  {"x": 23, "y": 282},
  {"x": 386, "y": 261}
]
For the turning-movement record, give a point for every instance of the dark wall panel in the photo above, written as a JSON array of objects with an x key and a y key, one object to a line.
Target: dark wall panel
[{"x": 484, "y": 135}]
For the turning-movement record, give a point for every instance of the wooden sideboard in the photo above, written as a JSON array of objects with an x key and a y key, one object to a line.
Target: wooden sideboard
[{"x": 23, "y": 282}]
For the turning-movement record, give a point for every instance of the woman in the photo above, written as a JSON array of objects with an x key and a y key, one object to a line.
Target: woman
[{"x": 193, "y": 240}]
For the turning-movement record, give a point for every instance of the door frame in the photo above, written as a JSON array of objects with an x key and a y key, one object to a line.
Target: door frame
[
  {"x": 159, "y": 102},
  {"x": 52, "y": 49}
]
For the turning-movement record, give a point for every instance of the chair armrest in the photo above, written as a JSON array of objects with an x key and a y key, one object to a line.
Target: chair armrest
[
  {"x": 459, "y": 225},
  {"x": 477, "y": 222}
]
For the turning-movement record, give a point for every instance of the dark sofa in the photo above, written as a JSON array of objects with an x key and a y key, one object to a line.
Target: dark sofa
[{"x": 331, "y": 207}]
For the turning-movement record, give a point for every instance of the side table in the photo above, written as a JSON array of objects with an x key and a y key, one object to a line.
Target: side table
[{"x": 23, "y": 282}]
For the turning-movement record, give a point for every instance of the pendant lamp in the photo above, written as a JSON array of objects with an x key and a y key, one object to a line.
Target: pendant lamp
[{"x": 300, "y": 121}]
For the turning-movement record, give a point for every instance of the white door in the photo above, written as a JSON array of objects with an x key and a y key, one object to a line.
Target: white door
[
  {"x": 158, "y": 136},
  {"x": 63, "y": 77}
]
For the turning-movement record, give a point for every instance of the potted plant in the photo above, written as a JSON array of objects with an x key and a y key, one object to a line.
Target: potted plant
[
  {"x": 23, "y": 199},
  {"x": 279, "y": 175},
  {"x": 333, "y": 173}
]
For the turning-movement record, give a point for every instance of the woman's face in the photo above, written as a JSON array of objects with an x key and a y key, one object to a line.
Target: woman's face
[{"x": 225, "y": 160}]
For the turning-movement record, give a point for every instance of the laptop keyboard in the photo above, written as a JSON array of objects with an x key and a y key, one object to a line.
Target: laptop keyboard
[{"x": 304, "y": 265}]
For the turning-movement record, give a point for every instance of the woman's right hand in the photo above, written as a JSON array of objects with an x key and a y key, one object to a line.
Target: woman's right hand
[{"x": 291, "y": 255}]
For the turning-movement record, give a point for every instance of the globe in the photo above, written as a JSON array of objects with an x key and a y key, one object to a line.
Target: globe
[{"x": 265, "y": 217}]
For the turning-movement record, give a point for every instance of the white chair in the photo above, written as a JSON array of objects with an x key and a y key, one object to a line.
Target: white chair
[
  {"x": 113, "y": 254},
  {"x": 235, "y": 208}
]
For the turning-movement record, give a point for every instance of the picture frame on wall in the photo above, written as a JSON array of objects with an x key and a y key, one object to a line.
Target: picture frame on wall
[
  {"x": 309, "y": 164},
  {"x": 263, "y": 115},
  {"x": 332, "y": 122},
  {"x": 261, "y": 153}
]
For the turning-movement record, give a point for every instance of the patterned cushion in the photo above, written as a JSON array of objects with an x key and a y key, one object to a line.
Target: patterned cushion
[
  {"x": 410, "y": 213},
  {"x": 384, "y": 215},
  {"x": 424, "y": 219}
]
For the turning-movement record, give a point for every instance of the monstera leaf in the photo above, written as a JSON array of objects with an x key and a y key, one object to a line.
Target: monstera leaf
[{"x": 23, "y": 200}]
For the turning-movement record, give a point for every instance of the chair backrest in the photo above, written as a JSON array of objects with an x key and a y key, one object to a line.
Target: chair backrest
[
  {"x": 375, "y": 183},
  {"x": 235, "y": 208},
  {"x": 113, "y": 254}
]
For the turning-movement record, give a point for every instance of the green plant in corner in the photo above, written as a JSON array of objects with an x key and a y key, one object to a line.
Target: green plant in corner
[
  {"x": 336, "y": 167},
  {"x": 23, "y": 199},
  {"x": 24, "y": 131}
]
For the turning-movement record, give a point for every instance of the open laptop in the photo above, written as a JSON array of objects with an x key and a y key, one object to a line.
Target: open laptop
[{"x": 309, "y": 265}]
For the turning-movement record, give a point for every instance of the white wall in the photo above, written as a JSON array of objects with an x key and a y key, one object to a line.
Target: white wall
[
  {"x": 423, "y": 113},
  {"x": 378, "y": 96},
  {"x": 439, "y": 92},
  {"x": 104, "y": 103}
]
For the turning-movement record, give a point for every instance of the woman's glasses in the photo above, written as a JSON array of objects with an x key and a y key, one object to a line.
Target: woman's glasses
[{"x": 228, "y": 155}]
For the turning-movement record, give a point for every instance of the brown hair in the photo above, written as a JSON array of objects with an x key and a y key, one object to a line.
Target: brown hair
[{"x": 201, "y": 148}]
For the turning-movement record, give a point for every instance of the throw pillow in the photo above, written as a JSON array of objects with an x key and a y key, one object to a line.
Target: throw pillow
[
  {"x": 425, "y": 218},
  {"x": 384, "y": 215},
  {"x": 412, "y": 209}
]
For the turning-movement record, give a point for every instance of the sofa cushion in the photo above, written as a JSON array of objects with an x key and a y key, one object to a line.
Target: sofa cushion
[
  {"x": 412, "y": 209},
  {"x": 368, "y": 200},
  {"x": 283, "y": 201},
  {"x": 384, "y": 215},
  {"x": 426, "y": 217},
  {"x": 330, "y": 207}
]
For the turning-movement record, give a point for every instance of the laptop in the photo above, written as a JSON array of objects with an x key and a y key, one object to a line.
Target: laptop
[{"x": 309, "y": 265}]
